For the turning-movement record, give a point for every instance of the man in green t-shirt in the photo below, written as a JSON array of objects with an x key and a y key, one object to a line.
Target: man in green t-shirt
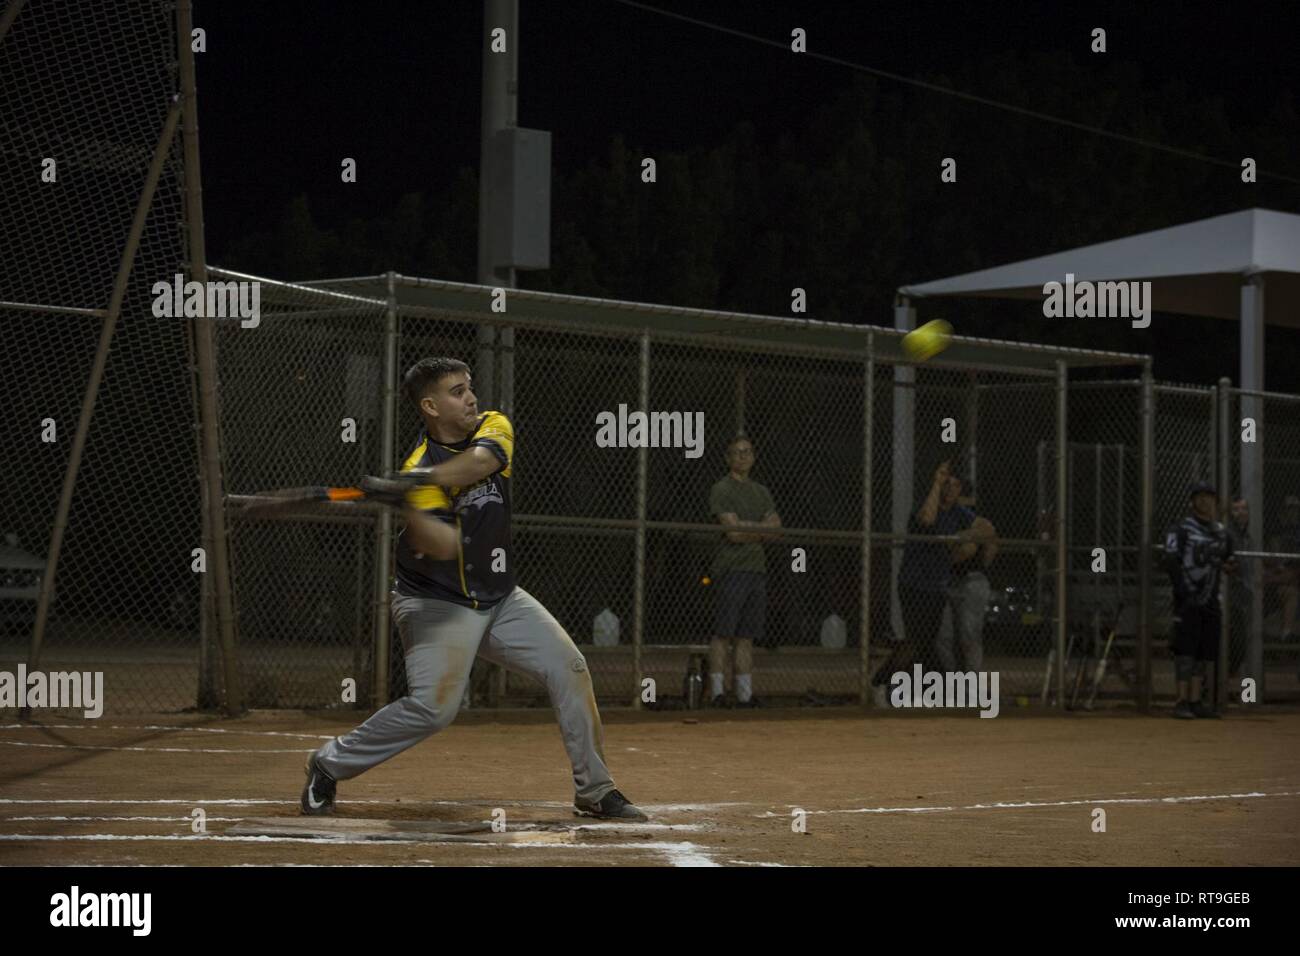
[{"x": 739, "y": 571}]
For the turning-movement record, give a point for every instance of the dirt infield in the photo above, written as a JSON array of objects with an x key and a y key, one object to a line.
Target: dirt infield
[{"x": 878, "y": 790}]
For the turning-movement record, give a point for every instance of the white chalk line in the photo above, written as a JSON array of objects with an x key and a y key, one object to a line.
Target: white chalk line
[
  {"x": 1028, "y": 805},
  {"x": 197, "y": 838},
  {"x": 286, "y": 801},
  {"x": 638, "y": 827},
  {"x": 418, "y": 864},
  {"x": 190, "y": 866},
  {"x": 590, "y": 827},
  {"x": 24, "y": 801},
  {"x": 684, "y": 853},
  {"x": 183, "y": 730},
  {"x": 595, "y": 827},
  {"x": 139, "y": 749},
  {"x": 654, "y": 808},
  {"x": 59, "y": 819},
  {"x": 679, "y": 854}
]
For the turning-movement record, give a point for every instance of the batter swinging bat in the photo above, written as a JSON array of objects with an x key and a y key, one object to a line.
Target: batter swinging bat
[{"x": 386, "y": 491}]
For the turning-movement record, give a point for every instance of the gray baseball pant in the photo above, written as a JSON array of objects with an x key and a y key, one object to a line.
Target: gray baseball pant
[
  {"x": 968, "y": 599},
  {"x": 441, "y": 640}
]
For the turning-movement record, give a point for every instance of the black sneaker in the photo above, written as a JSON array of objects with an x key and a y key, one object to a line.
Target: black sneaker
[
  {"x": 1183, "y": 711},
  {"x": 1204, "y": 710},
  {"x": 718, "y": 703},
  {"x": 748, "y": 704},
  {"x": 612, "y": 806},
  {"x": 318, "y": 794}
]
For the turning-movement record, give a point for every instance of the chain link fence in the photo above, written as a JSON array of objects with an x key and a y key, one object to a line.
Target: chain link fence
[
  {"x": 1105, "y": 524},
  {"x": 990, "y": 609},
  {"x": 623, "y": 544},
  {"x": 1185, "y": 433},
  {"x": 302, "y": 404},
  {"x": 1260, "y": 488},
  {"x": 91, "y": 215}
]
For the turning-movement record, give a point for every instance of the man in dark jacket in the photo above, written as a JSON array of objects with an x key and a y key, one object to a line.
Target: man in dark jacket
[{"x": 1196, "y": 550}]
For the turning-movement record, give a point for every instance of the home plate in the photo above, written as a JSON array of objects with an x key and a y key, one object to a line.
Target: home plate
[{"x": 421, "y": 831}]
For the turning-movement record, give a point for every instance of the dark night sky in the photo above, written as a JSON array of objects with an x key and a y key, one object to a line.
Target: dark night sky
[{"x": 287, "y": 89}]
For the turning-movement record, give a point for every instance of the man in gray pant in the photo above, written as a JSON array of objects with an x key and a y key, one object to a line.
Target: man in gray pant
[
  {"x": 456, "y": 599},
  {"x": 968, "y": 593}
]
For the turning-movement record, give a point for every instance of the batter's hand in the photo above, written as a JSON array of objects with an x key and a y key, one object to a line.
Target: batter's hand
[{"x": 386, "y": 491}]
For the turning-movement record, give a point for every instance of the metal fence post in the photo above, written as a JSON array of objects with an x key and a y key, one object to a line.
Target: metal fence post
[
  {"x": 1119, "y": 532},
  {"x": 1062, "y": 526},
  {"x": 642, "y": 481},
  {"x": 1144, "y": 538},
  {"x": 903, "y": 447},
  {"x": 1220, "y": 425},
  {"x": 1040, "y": 570},
  {"x": 384, "y": 526},
  {"x": 210, "y": 463},
  {"x": 868, "y": 439},
  {"x": 209, "y": 692}
]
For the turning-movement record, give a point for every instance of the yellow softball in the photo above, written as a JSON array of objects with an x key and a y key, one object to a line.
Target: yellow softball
[{"x": 927, "y": 341}]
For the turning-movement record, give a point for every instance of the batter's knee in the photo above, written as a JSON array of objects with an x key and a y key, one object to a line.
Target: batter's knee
[
  {"x": 570, "y": 675},
  {"x": 579, "y": 671},
  {"x": 1184, "y": 666},
  {"x": 431, "y": 717}
]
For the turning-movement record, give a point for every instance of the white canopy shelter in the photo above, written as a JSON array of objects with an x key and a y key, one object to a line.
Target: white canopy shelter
[
  {"x": 1223, "y": 267},
  {"x": 1219, "y": 267}
]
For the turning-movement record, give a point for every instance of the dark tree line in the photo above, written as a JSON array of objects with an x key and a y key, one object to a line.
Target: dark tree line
[{"x": 848, "y": 204}]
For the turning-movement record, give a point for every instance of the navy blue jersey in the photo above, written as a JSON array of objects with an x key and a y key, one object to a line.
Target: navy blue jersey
[
  {"x": 926, "y": 566},
  {"x": 482, "y": 572}
]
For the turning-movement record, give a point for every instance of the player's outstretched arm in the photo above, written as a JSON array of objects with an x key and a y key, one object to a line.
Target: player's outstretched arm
[
  {"x": 928, "y": 513},
  {"x": 467, "y": 468}
]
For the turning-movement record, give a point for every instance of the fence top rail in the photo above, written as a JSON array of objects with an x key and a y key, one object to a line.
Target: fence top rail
[
  {"x": 61, "y": 309},
  {"x": 965, "y": 351},
  {"x": 1256, "y": 393},
  {"x": 1177, "y": 388},
  {"x": 1134, "y": 383},
  {"x": 341, "y": 299}
]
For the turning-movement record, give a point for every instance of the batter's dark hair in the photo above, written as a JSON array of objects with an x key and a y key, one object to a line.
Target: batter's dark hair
[{"x": 423, "y": 377}]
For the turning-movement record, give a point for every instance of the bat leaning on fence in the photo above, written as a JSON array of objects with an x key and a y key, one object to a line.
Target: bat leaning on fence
[{"x": 390, "y": 490}]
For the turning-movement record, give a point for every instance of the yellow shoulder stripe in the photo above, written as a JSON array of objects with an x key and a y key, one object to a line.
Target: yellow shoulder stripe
[
  {"x": 496, "y": 428},
  {"x": 430, "y": 497},
  {"x": 415, "y": 456}
]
